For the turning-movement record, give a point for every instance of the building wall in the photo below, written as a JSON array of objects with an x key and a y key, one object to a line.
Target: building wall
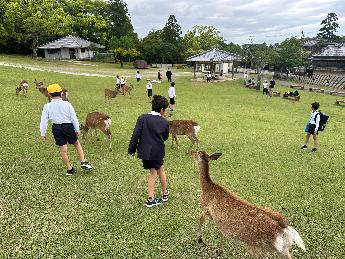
[{"x": 64, "y": 53}]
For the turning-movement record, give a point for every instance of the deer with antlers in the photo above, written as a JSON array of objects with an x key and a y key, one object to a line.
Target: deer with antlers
[
  {"x": 261, "y": 229},
  {"x": 184, "y": 127},
  {"x": 97, "y": 120},
  {"x": 23, "y": 86}
]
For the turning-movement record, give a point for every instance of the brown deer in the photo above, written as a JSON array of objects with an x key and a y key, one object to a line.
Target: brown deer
[
  {"x": 261, "y": 229},
  {"x": 44, "y": 92},
  {"x": 184, "y": 127},
  {"x": 108, "y": 93},
  {"x": 127, "y": 89},
  {"x": 23, "y": 86},
  {"x": 97, "y": 120}
]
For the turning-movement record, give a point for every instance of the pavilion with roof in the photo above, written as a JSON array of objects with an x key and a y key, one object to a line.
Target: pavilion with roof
[
  {"x": 70, "y": 47},
  {"x": 331, "y": 59},
  {"x": 214, "y": 61}
]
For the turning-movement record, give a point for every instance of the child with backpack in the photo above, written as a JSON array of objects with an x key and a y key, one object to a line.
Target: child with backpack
[{"x": 317, "y": 122}]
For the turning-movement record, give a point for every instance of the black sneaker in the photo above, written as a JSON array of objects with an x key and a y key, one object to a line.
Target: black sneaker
[
  {"x": 85, "y": 165},
  {"x": 314, "y": 150},
  {"x": 165, "y": 196},
  {"x": 150, "y": 202},
  {"x": 71, "y": 172},
  {"x": 304, "y": 147}
]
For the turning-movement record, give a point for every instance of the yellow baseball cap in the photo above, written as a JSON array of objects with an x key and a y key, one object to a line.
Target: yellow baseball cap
[{"x": 54, "y": 88}]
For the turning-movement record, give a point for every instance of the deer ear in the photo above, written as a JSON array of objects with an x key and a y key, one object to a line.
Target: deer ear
[{"x": 214, "y": 156}]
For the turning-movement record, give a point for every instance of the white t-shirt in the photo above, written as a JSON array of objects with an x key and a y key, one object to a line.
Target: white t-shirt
[
  {"x": 266, "y": 85},
  {"x": 171, "y": 92},
  {"x": 148, "y": 85},
  {"x": 123, "y": 81},
  {"x": 137, "y": 75}
]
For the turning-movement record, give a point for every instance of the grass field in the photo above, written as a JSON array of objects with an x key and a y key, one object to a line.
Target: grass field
[{"x": 101, "y": 214}]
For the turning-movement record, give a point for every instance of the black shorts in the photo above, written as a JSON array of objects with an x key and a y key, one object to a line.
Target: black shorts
[
  {"x": 311, "y": 129},
  {"x": 64, "y": 133},
  {"x": 149, "y": 92},
  {"x": 156, "y": 164},
  {"x": 172, "y": 101},
  {"x": 138, "y": 79}
]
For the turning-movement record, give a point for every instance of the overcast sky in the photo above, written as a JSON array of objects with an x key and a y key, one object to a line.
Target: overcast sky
[{"x": 239, "y": 21}]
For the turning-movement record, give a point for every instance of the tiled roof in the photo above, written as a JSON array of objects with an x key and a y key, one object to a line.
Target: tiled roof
[
  {"x": 70, "y": 42},
  {"x": 333, "y": 51},
  {"x": 214, "y": 55}
]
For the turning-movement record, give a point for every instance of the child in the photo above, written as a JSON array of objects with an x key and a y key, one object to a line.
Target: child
[
  {"x": 312, "y": 126},
  {"x": 123, "y": 83},
  {"x": 138, "y": 76},
  {"x": 118, "y": 83},
  {"x": 149, "y": 89},
  {"x": 65, "y": 127},
  {"x": 265, "y": 89},
  {"x": 172, "y": 95},
  {"x": 150, "y": 132}
]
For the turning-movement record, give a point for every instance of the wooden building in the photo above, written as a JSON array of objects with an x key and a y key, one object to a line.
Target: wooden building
[{"x": 331, "y": 59}]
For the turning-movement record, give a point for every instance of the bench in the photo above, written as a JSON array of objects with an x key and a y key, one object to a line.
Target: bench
[
  {"x": 293, "y": 98},
  {"x": 338, "y": 102},
  {"x": 297, "y": 87},
  {"x": 317, "y": 90},
  {"x": 337, "y": 93},
  {"x": 275, "y": 93}
]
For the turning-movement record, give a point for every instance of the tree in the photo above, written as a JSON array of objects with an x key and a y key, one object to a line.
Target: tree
[
  {"x": 201, "y": 38},
  {"x": 290, "y": 54},
  {"x": 31, "y": 20},
  {"x": 329, "y": 28},
  {"x": 171, "y": 41}
]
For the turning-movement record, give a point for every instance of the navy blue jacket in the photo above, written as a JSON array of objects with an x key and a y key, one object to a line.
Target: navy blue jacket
[{"x": 148, "y": 137}]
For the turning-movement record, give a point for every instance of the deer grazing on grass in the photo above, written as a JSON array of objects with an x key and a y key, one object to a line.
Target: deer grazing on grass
[
  {"x": 261, "y": 229},
  {"x": 43, "y": 90},
  {"x": 23, "y": 86},
  {"x": 108, "y": 93},
  {"x": 184, "y": 127},
  {"x": 97, "y": 120}
]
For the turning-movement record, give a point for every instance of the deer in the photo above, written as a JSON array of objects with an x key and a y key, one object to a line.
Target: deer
[
  {"x": 184, "y": 127},
  {"x": 127, "y": 89},
  {"x": 108, "y": 93},
  {"x": 44, "y": 92},
  {"x": 23, "y": 86},
  {"x": 261, "y": 229},
  {"x": 97, "y": 120}
]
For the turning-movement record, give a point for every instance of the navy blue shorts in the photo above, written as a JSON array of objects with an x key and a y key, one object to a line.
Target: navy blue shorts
[
  {"x": 172, "y": 101},
  {"x": 311, "y": 129},
  {"x": 149, "y": 92},
  {"x": 156, "y": 164},
  {"x": 64, "y": 133}
]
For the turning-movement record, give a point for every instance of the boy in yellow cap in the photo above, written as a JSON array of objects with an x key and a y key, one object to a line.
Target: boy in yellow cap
[{"x": 65, "y": 127}]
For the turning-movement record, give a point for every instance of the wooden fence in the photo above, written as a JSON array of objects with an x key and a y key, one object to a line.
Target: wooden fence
[{"x": 323, "y": 80}]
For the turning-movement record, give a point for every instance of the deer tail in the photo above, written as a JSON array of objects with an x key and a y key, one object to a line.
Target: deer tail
[
  {"x": 107, "y": 123},
  {"x": 197, "y": 129},
  {"x": 288, "y": 237}
]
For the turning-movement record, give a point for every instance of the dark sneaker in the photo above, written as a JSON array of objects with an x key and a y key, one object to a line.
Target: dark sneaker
[
  {"x": 304, "y": 147},
  {"x": 314, "y": 150},
  {"x": 165, "y": 196},
  {"x": 150, "y": 202},
  {"x": 71, "y": 172},
  {"x": 85, "y": 165}
]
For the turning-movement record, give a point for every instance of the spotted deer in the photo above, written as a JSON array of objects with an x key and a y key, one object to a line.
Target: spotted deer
[
  {"x": 127, "y": 89},
  {"x": 260, "y": 229},
  {"x": 43, "y": 90},
  {"x": 97, "y": 120},
  {"x": 23, "y": 87},
  {"x": 110, "y": 94},
  {"x": 184, "y": 127}
]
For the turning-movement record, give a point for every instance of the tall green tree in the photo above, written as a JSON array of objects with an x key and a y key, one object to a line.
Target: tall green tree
[
  {"x": 290, "y": 54},
  {"x": 201, "y": 38},
  {"x": 329, "y": 28},
  {"x": 172, "y": 40},
  {"x": 151, "y": 46},
  {"x": 31, "y": 20}
]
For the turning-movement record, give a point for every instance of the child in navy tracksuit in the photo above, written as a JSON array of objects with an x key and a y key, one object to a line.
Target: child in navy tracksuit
[
  {"x": 150, "y": 132},
  {"x": 312, "y": 126},
  {"x": 65, "y": 127}
]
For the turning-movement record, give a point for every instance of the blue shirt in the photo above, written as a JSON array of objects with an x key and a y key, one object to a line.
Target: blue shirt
[{"x": 58, "y": 111}]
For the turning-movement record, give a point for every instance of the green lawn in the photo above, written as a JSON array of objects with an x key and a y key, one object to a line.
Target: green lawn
[{"x": 101, "y": 214}]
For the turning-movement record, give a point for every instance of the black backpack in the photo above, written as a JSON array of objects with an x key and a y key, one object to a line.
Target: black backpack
[{"x": 323, "y": 121}]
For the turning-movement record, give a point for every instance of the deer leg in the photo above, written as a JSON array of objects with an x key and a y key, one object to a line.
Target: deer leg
[
  {"x": 285, "y": 254},
  {"x": 192, "y": 139},
  {"x": 204, "y": 215},
  {"x": 108, "y": 134},
  {"x": 220, "y": 249},
  {"x": 255, "y": 252}
]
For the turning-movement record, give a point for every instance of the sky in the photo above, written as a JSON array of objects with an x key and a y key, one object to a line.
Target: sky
[{"x": 239, "y": 21}]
